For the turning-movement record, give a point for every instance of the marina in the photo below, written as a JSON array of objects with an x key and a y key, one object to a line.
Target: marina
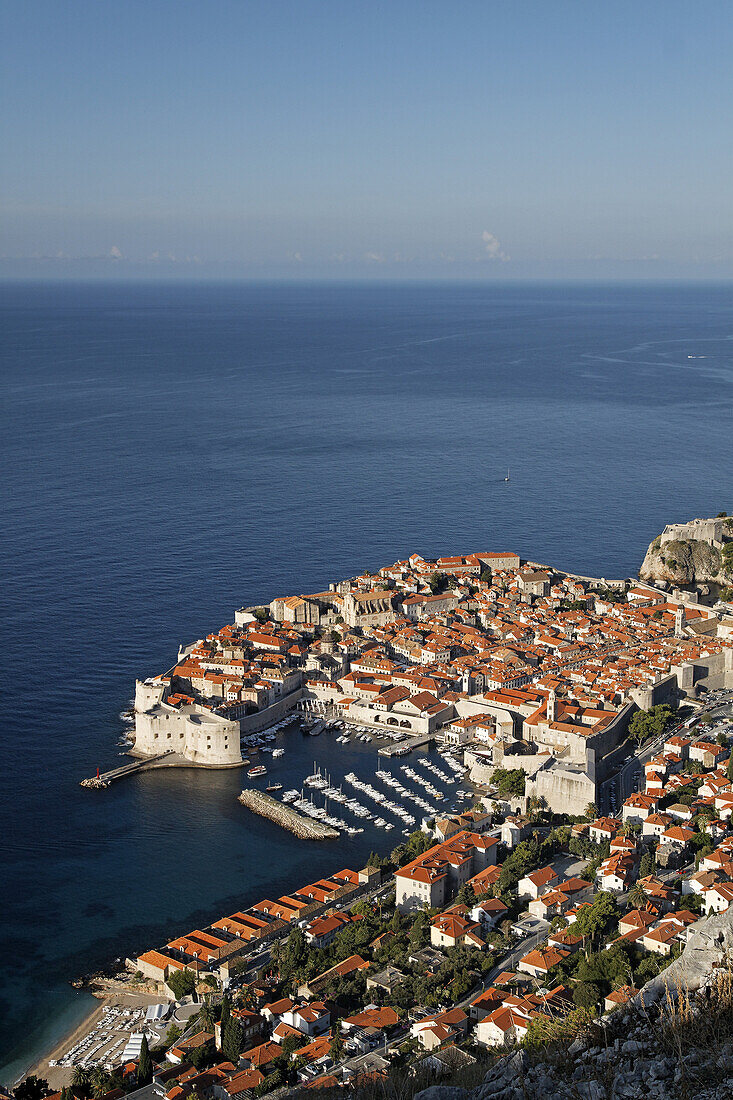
[{"x": 374, "y": 795}]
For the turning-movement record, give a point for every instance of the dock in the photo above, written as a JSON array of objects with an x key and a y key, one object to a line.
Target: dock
[
  {"x": 305, "y": 828},
  {"x": 99, "y": 782},
  {"x": 401, "y": 748}
]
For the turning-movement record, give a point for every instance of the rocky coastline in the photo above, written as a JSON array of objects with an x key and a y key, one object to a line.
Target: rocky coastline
[{"x": 692, "y": 553}]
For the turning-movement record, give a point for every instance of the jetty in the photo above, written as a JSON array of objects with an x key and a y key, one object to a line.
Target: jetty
[
  {"x": 303, "y": 827},
  {"x": 402, "y": 748},
  {"x": 100, "y": 782}
]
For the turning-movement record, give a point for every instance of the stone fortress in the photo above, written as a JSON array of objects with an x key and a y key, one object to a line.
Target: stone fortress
[
  {"x": 520, "y": 665},
  {"x": 712, "y": 531},
  {"x": 189, "y": 729}
]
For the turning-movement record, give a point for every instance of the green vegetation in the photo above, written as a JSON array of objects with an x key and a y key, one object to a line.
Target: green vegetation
[
  {"x": 527, "y": 856},
  {"x": 727, "y": 555},
  {"x": 32, "y": 1088},
  {"x": 182, "y": 983},
  {"x": 172, "y": 1035},
  {"x": 145, "y": 1065},
  {"x": 508, "y": 781},
  {"x": 262, "y": 614},
  {"x": 597, "y": 918},
  {"x": 440, "y": 582},
  {"x": 647, "y": 724}
]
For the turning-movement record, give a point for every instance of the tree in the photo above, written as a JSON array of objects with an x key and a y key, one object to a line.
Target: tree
[
  {"x": 145, "y": 1064},
  {"x": 648, "y": 968},
  {"x": 172, "y": 1035},
  {"x": 466, "y": 896},
  {"x": 225, "y": 1012},
  {"x": 32, "y": 1088},
  {"x": 729, "y": 769},
  {"x": 487, "y": 576},
  {"x": 101, "y": 1081},
  {"x": 586, "y": 995},
  {"x": 231, "y": 1041},
  {"x": 182, "y": 983},
  {"x": 336, "y": 1049},
  {"x": 206, "y": 1016},
  {"x": 591, "y": 811},
  {"x": 80, "y": 1081},
  {"x": 650, "y": 723},
  {"x": 536, "y": 804},
  {"x": 509, "y": 781},
  {"x": 202, "y": 1056},
  {"x": 592, "y": 919},
  {"x": 637, "y": 897},
  {"x": 289, "y": 1046},
  {"x": 647, "y": 865}
]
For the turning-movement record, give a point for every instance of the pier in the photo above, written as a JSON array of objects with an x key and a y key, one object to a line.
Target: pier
[
  {"x": 99, "y": 782},
  {"x": 303, "y": 827},
  {"x": 401, "y": 748}
]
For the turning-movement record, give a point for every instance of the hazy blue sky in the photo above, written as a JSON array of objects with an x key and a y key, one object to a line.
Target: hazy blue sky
[{"x": 497, "y": 138}]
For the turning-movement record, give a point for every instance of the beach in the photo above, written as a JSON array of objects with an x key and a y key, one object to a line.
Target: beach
[{"x": 58, "y": 1076}]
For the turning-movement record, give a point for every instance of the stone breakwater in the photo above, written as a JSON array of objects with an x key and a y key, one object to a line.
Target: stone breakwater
[{"x": 289, "y": 819}]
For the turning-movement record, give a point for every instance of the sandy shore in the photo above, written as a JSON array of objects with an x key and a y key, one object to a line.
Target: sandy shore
[{"x": 58, "y": 1076}]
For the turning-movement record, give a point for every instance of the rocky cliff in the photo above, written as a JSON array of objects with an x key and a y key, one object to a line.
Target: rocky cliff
[
  {"x": 675, "y": 1042},
  {"x": 681, "y": 558}
]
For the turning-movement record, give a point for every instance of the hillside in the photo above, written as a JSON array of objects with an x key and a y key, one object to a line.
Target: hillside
[
  {"x": 698, "y": 552},
  {"x": 674, "y": 1042}
]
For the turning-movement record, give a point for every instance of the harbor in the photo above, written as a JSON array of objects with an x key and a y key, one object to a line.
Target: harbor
[{"x": 349, "y": 795}]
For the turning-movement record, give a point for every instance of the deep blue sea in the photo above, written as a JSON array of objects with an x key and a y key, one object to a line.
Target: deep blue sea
[{"x": 172, "y": 452}]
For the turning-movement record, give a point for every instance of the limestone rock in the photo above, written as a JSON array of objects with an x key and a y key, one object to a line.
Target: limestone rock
[
  {"x": 441, "y": 1092},
  {"x": 709, "y": 941},
  {"x": 684, "y": 561}
]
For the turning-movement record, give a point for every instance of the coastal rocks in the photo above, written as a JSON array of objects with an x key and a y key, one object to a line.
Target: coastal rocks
[
  {"x": 682, "y": 562},
  {"x": 694, "y": 553},
  {"x": 95, "y": 783},
  {"x": 302, "y": 827}
]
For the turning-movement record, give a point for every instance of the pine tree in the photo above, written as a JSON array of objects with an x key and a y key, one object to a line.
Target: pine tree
[
  {"x": 231, "y": 1041},
  {"x": 145, "y": 1064},
  {"x": 224, "y": 1018},
  {"x": 647, "y": 865}
]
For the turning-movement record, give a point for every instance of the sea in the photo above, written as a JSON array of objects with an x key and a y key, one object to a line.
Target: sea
[{"x": 174, "y": 451}]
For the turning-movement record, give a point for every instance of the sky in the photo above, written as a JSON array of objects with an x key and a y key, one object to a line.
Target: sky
[{"x": 345, "y": 139}]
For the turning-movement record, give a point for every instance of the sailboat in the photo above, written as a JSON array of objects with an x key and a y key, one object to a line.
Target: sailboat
[{"x": 507, "y": 475}]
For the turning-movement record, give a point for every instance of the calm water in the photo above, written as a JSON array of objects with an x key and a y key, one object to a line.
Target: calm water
[{"x": 173, "y": 452}]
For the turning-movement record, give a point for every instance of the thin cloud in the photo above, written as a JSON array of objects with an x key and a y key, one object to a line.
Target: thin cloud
[
  {"x": 493, "y": 247},
  {"x": 374, "y": 257}
]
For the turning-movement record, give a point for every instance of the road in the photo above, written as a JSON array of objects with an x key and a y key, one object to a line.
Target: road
[{"x": 619, "y": 787}]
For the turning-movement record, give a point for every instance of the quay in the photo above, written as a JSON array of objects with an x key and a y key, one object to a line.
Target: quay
[
  {"x": 401, "y": 748},
  {"x": 303, "y": 827},
  {"x": 165, "y": 759}
]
